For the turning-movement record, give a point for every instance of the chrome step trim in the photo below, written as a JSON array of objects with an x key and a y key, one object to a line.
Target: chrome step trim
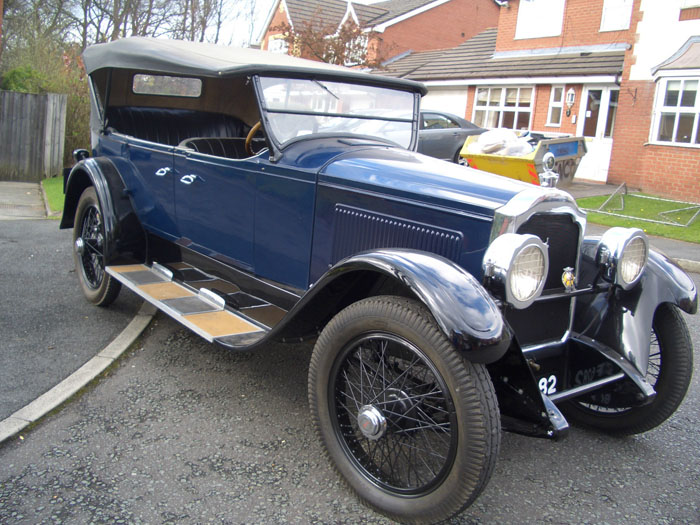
[{"x": 184, "y": 309}]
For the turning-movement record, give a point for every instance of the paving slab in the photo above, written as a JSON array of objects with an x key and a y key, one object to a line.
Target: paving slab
[{"x": 21, "y": 200}]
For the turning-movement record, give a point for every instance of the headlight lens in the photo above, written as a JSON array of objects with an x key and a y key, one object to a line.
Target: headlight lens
[
  {"x": 527, "y": 273},
  {"x": 515, "y": 268},
  {"x": 632, "y": 261},
  {"x": 622, "y": 254}
]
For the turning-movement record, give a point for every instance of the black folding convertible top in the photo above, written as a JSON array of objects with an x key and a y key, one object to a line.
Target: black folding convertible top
[{"x": 202, "y": 59}]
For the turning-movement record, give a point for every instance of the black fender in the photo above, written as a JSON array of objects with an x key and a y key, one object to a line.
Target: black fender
[
  {"x": 622, "y": 319},
  {"x": 125, "y": 239},
  {"x": 462, "y": 308}
]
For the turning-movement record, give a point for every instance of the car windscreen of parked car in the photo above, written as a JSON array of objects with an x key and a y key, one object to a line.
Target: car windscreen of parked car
[{"x": 298, "y": 107}]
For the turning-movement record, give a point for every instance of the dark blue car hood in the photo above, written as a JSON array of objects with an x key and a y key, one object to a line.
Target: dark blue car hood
[{"x": 409, "y": 175}]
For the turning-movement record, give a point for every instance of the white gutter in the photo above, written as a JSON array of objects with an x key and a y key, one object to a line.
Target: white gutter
[{"x": 595, "y": 79}]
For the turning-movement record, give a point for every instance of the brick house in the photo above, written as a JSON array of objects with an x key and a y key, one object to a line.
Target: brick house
[
  {"x": 396, "y": 26},
  {"x": 623, "y": 73}
]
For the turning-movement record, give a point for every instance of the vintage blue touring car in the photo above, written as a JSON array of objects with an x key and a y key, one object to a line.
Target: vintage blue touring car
[{"x": 257, "y": 197}]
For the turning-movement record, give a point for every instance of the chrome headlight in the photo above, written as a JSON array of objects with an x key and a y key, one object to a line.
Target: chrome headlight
[
  {"x": 622, "y": 253},
  {"x": 515, "y": 268}
]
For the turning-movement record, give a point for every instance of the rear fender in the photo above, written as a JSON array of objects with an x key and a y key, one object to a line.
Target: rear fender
[
  {"x": 463, "y": 310},
  {"x": 124, "y": 237},
  {"x": 622, "y": 319}
]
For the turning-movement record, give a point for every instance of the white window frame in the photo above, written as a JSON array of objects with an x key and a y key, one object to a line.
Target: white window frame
[
  {"x": 556, "y": 104},
  {"x": 616, "y": 16},
  {"x": 660, "y": 109},
  {"x": 501, "y": 108},
  {"x": 278, "y": 44},
  {"x": 539, "y": 18}
]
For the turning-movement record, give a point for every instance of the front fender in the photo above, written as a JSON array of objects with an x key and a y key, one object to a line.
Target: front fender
[
  {"x": 124, "y": 236},
  {"x": 622, "y": 320},
  {"x": 463, "y": 310}
]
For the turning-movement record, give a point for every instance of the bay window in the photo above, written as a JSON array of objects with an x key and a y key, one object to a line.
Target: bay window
[{"x": 677, "y": 112}]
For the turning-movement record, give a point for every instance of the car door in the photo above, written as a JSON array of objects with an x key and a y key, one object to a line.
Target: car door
[
  {"x": 215, "y": 204},
  {"x": 150, "y": 167},
  {"x": 439, "y": 136}
]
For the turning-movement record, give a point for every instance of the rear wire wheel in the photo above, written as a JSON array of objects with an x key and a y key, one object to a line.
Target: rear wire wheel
[
  {"x": 412, "y": 427},
  {"x": 98, "y": 286},
  {"x": 669, "y": 372}
]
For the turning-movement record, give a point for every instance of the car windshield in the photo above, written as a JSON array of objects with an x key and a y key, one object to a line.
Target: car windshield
[{"x": 299, "y": 107}]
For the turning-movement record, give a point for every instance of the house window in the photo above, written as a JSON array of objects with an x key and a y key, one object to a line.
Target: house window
[
  {"x": 556, "y": 106},
  {"x": 278, "y": 44},
  {"x": 539, "y": 18},
  {"x": 677, "y": 112},
  {"x": 616, "y": 15},
  {"x": 503, "y": 107}
]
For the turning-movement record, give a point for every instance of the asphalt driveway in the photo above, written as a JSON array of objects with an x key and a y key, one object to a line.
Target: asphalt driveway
[
  {"x": 182, "y": 431},
  {"x": 47, "y": 329}
]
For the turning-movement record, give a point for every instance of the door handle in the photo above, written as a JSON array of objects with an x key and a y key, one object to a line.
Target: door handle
[
  {"x": 189, "y": 179},
  {"x": 162, "y": 172}
]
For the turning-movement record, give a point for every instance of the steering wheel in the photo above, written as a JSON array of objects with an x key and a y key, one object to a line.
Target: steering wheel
[{"x": 249, "y": 138}]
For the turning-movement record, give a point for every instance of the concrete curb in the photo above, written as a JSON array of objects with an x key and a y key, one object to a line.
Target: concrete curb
[
  {"x": 45, "y": 403},
  {"x": 688, "y": 265}
]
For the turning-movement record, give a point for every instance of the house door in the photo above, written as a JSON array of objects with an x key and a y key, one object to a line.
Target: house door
[{"x": 596, "y": 122}]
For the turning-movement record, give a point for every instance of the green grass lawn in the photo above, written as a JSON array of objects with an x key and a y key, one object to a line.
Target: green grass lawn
[
  {"x": 53, "y": 188},
  {"x": 636, "y": 208}
]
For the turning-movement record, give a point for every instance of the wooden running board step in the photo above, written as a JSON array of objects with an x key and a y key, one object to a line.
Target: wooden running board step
[{"x": 202, "y": 311}]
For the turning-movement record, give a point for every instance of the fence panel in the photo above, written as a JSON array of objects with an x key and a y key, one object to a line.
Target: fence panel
[{"x": 32, "y": 135}]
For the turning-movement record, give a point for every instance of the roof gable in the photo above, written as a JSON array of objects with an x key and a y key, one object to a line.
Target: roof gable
[{"x": 333, "y": 13}]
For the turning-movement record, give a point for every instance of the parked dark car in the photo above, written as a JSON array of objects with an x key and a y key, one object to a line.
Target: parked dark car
[
  {"x": 232, "y": 189},
  {"x": 442, "y": 135}
]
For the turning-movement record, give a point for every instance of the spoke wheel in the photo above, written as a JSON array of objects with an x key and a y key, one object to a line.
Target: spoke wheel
[
  {"x": 669, "y": 372},
  {"x": 88, "y": 251},
  {"x": 393, "y": 413},
  {"x": 412, "y": 427}
]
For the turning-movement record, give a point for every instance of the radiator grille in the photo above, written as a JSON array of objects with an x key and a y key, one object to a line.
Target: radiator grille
[
  {"x": 357, "y": 230},
  {"x": 549, "y": 320}
]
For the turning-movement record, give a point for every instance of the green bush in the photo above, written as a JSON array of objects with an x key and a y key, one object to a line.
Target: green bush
[
  {"x": 24, "y": 79},
  {"x": 54, "y": 69}
]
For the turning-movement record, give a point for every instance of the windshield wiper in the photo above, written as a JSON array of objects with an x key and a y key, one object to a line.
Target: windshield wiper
[{"x": 329, "y": 91}]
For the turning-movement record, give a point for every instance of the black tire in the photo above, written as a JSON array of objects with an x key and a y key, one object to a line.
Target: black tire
[
  {"x": 437, "y": 446},
  {"x": 670, "y": 371},
  {"x": 99, "y": 287},
  {"x": 458, "y": 159}
]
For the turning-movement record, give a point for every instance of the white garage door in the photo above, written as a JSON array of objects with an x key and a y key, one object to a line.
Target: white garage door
[{"x": 450, "y": 100}]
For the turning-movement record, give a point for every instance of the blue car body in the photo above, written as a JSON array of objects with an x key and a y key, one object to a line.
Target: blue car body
[{"x": 286, "y": 237}]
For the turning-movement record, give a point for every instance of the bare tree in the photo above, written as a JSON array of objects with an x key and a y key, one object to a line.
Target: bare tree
[{"x": 346, "y": 45}]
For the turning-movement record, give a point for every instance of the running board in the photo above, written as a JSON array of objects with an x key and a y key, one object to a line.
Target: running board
[{"x": 202, "y": 311}]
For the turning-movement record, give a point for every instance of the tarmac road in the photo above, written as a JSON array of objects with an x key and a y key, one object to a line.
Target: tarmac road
[
  {"x": 181, "y": 431},
  {"x": 48, "y": 330}
]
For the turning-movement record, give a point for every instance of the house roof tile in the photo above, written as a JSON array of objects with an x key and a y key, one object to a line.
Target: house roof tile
[
  {"x": 474, "y": 59},
  {"x": 396, "y": 8},
  {"x": 331, "y": 12}
]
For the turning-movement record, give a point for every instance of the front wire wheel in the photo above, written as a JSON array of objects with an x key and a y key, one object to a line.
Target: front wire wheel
[
  {"x": 669, "y": 372},
  {"x": 412, "y": 427},
  {"x": 98, "y": 286}
]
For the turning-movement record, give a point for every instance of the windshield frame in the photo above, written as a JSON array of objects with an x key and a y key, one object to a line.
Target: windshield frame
[{"x": 279, "y": 147}]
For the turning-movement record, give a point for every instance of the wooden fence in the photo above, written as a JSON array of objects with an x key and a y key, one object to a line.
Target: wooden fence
[{"x": 32, "y": 134}]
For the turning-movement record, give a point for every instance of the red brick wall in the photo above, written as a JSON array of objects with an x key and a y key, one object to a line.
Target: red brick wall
[
  {"x": 442, "y": 27},
  {"x": 580, "y": 26},
  {"x": 279, "y": 18},
  {"x": 666, "y": 171}
]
